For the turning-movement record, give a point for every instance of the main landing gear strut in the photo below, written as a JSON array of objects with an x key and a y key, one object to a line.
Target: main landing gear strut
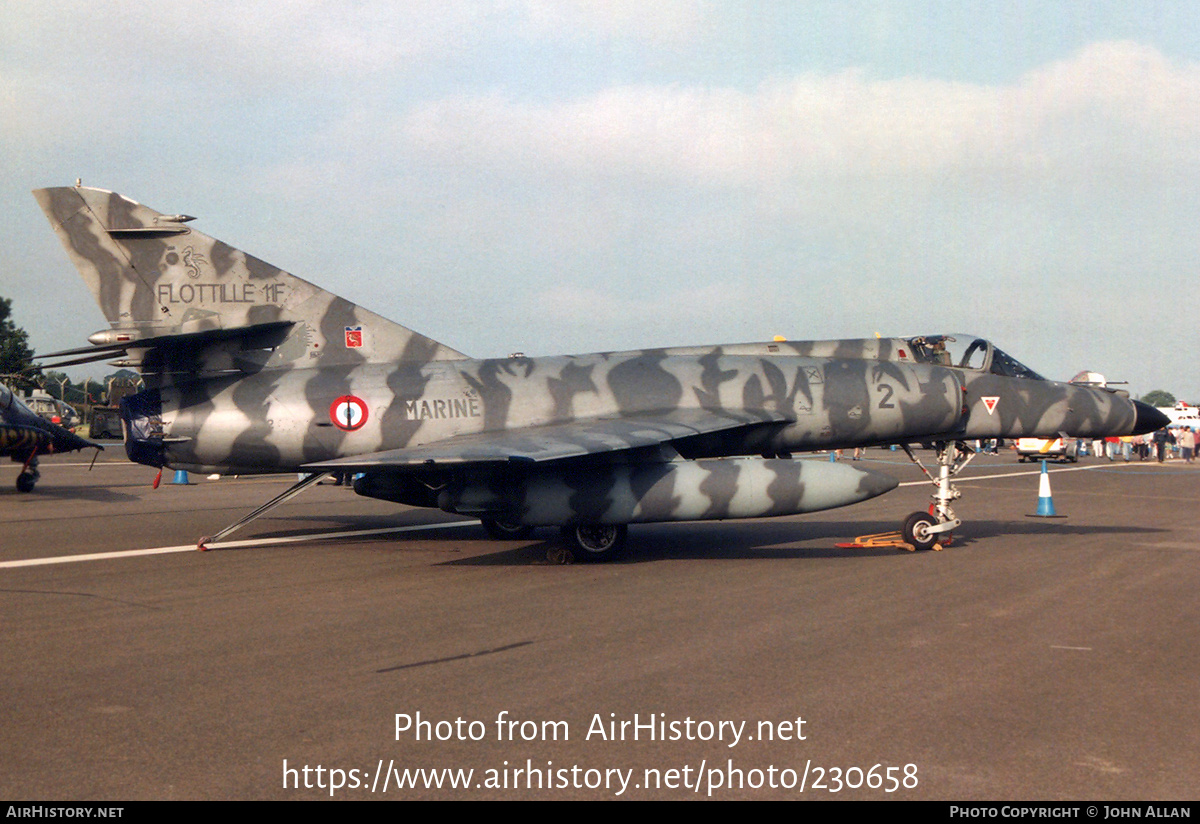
[{"x": 923, "y": 529}]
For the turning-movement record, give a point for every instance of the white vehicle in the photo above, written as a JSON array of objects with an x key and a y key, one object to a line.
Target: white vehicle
[
  {"x": 1044, "y": 449},
  {"x": 52, "y": 409}
]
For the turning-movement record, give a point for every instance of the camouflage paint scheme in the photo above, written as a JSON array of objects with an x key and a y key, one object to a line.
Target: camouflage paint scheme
[
  {"x": 251, "y": 369},
  {"x": 24, "y": 435}
]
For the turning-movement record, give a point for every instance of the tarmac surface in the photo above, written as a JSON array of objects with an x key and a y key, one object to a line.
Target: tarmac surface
[{"x": 1033, "y": 659}]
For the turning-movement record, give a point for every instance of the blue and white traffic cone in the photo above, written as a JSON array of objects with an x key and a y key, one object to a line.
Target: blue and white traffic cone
[
  {"x": 180, "y": 477},
  {"x": 1045, "y": 507}
]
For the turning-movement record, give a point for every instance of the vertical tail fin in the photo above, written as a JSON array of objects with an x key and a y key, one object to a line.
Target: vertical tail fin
[{"x": 154, "y": 275}]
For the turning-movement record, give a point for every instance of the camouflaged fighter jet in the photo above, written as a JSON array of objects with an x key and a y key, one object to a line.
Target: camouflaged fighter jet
[
  {"x": 251, "y": 369},
  {"x": 24, "y": 435}
]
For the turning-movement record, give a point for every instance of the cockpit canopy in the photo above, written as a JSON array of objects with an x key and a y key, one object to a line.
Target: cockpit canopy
[{"x": 968, "y": 352}]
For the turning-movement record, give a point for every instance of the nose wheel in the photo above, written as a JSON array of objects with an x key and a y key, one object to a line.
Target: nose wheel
[
  {"x": 917, "y": 531},
  {"x": 924, "y": 529}
]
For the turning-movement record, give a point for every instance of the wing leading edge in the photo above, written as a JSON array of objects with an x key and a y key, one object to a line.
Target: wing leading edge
[{"x": 558, "y": 441}]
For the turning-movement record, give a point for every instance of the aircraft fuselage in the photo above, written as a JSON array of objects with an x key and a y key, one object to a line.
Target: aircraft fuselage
[{"x": 278, "y": 420}]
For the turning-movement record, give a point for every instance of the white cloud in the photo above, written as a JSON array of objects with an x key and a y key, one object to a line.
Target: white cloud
[
  {"x": 248, "y": 43},
  {"x": 1125, "y": 99},
  {"x": 286, "y": 42},
  {"x": 128, "y": 70}
]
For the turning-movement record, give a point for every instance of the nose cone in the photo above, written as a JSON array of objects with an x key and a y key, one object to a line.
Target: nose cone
[
  {"x": 1148, "y": 419},
  {"x": 67, "y": 441}
]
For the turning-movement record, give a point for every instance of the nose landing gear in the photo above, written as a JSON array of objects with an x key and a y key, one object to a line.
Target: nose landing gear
[{"x": 924, "y": 529}]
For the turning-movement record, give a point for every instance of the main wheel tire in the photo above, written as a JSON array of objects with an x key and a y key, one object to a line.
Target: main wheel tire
[
  {"x": 595, "y": 542},
  {"x": 916, "y": 530},
  {"x": 505, "y": 530},
  {"x": 25, "y": 482}
]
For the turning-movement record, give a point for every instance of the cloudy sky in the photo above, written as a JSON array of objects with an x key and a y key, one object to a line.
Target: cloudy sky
[{"x": 577, "y": 175}]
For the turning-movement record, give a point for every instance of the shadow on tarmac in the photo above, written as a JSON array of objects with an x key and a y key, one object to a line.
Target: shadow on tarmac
[{"x": 730, "y": 540}]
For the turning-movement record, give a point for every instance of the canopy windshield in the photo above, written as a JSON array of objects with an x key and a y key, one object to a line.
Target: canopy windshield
[{"x": 968, "y": 352}]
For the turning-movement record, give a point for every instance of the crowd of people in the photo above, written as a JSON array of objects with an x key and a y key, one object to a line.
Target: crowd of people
[{"x": 1168, "y": 443}]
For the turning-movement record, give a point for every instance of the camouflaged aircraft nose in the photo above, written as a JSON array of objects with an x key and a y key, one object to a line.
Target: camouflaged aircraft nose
[
  {"x": 1148, "y": 419},
  {"x": 65, "y": 440}
]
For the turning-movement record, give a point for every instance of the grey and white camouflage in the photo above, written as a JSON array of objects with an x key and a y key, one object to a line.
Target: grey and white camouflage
[{"x": 251, "y": 369}]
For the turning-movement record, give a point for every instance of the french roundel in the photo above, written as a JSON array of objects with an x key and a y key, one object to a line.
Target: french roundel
[{"x": 348, "y": 413}]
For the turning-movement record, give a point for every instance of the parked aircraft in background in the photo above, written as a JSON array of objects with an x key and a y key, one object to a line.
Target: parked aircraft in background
[
  {"x": 24, "y": 435},
  {"x": 251, "y": 369}
]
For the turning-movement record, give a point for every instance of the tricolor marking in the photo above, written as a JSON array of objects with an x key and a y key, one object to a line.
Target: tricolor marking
[{"x": 348, "y": 413}]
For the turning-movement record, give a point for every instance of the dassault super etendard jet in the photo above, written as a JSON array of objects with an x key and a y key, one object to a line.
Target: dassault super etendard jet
[{"x": 251, "y": 369}]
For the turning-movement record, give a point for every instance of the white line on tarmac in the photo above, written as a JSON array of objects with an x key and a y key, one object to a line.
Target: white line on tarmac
[
  {"x": 287, "y": 539},
  {"x": 291, "y": 539},
  {"x": 966, "y": 479}
]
